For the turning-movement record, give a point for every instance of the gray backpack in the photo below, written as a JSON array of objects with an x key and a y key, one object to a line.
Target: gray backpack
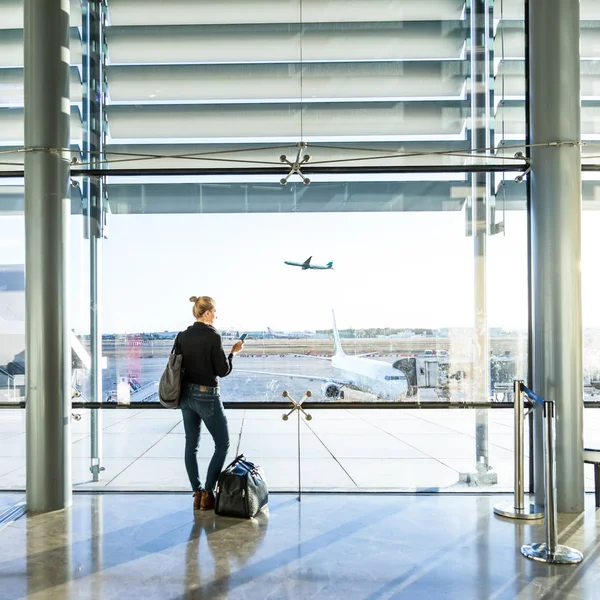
[{"x": 169, "y": 388}]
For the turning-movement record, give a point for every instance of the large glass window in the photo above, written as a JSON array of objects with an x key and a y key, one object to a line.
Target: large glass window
[
  {"x": 11, "y": 82},
  {"x": 12, "y": 245},
  {"x": 402, "y": 282},
  {"x": 12, "y": 296},
  {"x": 387, "y": 86},
  {"x": 590, "y": 96},
  {"x": 378, "y": 116},
  {"x": 12, "y": 241}
]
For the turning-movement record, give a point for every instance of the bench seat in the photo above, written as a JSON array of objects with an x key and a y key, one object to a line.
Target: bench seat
[{"x": 592, "y": 456}]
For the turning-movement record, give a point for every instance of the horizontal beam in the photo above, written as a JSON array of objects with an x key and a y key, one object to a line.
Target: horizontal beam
[
  {"x": 306, "y": 170},
  {"x": 305, "y": 405},
  {"x": 286, "y": 405}
]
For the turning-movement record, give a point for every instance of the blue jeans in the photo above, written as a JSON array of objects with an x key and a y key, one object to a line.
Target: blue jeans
[{"x": 196, "y": 407}]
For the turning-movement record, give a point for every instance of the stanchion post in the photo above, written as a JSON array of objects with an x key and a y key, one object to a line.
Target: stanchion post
[
  {"x": 297, "y": 407},
  {"x": 519, "y": 414},
  {"x": 551, "y": 551},
  {"x": 299, "y": 464},
  {"x": 550, "y": 477},
  {"x": 517, "y": 509}
]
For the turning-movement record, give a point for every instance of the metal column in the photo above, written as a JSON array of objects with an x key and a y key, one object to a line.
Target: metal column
[
  {"x": 47, "y": 213},
  {"x": 481, "y": 138},
  {"x": 556, "y": 239},
  {"x": 94, "y": 135}
]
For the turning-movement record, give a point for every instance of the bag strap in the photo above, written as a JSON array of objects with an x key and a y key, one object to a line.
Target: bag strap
[{"x": 175, "y": 349}]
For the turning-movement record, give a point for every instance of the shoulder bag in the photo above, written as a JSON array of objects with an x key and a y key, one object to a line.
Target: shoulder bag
[{"x": 169, "y": 387}]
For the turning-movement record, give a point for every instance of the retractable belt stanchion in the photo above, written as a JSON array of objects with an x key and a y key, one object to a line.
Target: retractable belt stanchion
[
  {"x": 518, "y": 509},
  {"x": 550, "y": 551}
]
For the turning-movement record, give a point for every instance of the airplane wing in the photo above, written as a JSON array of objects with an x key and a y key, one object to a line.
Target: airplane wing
[
  {"x": 307, "y": 262},
  {"x": 296, "y": 376}
]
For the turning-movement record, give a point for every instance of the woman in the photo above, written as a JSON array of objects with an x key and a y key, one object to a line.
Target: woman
[{"x": 203, "y": 361}]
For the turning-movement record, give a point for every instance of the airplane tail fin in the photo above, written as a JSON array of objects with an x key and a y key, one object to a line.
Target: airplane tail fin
[
  {"x": 338, "y": 350},
  {"x": 330, "y": 265}
]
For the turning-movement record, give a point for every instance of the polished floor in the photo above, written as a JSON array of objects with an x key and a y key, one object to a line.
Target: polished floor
[
  {"x": 327, "y": 546},
  {"x": 344, "y": 450},
  {"x": 8, "y": 500}
]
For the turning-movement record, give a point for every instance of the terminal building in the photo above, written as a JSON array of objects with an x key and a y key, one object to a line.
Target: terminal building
[{"x": 443, "y": 156}]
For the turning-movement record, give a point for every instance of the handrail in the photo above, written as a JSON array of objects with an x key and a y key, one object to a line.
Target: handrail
[
  {"x": 10, "y": 381},
  {"x": 279, "y": 405},
  {"x": 5, "y": 372},
  {"x": 311, "y": 405},
  {"x": 283, "y": 405}
]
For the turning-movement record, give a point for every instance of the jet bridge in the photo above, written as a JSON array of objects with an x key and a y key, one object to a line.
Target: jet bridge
[
  {"x": 431, "y": 371},
  {"x": 425, "y": 371}
]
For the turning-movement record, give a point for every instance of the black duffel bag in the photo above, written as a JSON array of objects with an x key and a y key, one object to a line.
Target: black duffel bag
[{"x": 241, "y": 490}]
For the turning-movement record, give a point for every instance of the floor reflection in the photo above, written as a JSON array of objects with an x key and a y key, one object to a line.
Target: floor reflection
[
  {"x": 231, "y": 543},
  {"x": 328, "y": 546}
]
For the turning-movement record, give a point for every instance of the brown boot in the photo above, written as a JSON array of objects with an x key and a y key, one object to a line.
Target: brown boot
[
  {"x": 197, "y": 499},
  {"x": 207, "y": 501}
]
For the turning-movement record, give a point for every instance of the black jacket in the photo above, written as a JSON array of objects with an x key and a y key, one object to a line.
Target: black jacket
[{"x": 203, "y": 356}]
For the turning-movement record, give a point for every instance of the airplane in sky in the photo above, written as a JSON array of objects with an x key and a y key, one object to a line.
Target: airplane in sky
[
  {"x": 364, "y": 374},
  {"x": 306, "y": 264}
]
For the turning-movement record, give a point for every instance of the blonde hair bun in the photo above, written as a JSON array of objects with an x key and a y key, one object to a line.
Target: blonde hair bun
[{"x": 201, "y": 305}]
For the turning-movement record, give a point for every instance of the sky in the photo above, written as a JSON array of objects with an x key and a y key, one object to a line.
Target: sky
[{"x": 397, "y": 270}]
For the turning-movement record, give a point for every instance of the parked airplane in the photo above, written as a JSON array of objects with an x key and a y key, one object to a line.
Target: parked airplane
[
  {"x": 306, "y": 264},
  {"x": 364, "y": 374},
  {"x": 294, "y": 335},
  {"x": 234, "y": 334}
]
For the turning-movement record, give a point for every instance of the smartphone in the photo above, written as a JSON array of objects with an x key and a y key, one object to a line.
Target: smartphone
[{"x": 243, "y": 337}]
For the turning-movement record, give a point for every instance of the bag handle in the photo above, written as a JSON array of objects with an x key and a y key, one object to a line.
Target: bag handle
[{"x": 241, "y": 459}]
